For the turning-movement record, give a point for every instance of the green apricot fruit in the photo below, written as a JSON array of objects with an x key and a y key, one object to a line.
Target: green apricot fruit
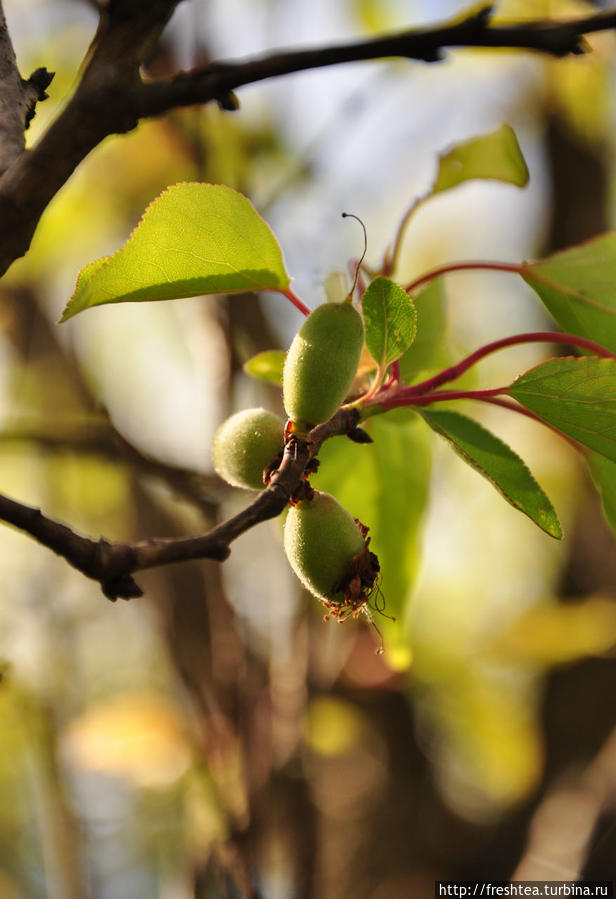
[
  {"x": 321, "y": 363},
  {"x": 320, "y": 540},
  {"x": 245, "y": 444}
]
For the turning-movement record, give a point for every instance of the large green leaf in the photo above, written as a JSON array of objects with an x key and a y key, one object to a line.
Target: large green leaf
[
  {"x": 385, "y": 485},
  {"x": 390, "y": 320},
  {"x": 495, "y": 155},
  {"x": 579, "y": 289},
  {"x": 193, "y": 239},
  {"x": 575, "y": 395},
  {"x": 497, "y": 462},
  {"x": 427, "y": 350},
  {"x": 603, "y": 472}
]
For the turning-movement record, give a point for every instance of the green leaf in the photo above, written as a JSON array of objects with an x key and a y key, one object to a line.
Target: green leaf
[
  {"x": 390, "y": 320},
  {"x": 579, "y": 289},
  {"x": 427, "y": 348},
  {"x": 266, "y": 366},
  {"x": 193, "y": 239},
  {"x": 495, "y": 155},
  {"x": 497, "y": 462},
  {"x": 575, "y": 395},
  {"x": 603, "y": 473},
  {"x": 385, "y": 485}
]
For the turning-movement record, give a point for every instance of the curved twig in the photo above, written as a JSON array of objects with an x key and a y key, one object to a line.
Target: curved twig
[
  {"x": 112, "y": 564},
  {"x": 112, "y": 97}
]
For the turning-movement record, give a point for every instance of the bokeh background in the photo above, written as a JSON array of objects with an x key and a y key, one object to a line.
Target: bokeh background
[{"x": 216, "y": 738}]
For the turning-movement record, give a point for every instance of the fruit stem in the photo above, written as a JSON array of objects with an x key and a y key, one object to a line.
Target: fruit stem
[
  {"x": 392, "y": 255},
  {"x": 515, "y": 267},
  {"x": 402, "y": 398},
  {"x": 290, "y": 295},
  {"x": 455, "y": 371}
]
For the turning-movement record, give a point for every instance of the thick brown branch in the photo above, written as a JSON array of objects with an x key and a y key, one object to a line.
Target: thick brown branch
[
  {"x": 113, "y": 564},
  {"x": 103, "y": 104},
  {"x": 18, "y": 99},
  {"x": 111, "y": 96}
]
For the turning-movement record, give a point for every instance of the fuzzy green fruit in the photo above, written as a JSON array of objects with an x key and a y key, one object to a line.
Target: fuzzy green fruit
[
  {"x": 244, "y": 444},
  {"x": 320, "y": 540},
  {"x": 321, "y": 363}
]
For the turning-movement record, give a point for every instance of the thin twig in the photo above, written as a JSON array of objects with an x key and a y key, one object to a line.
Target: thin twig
[
  {"x": 112, "y": 97},
  {"x": 426, "y": 45},
  {"x": 457, "y": 370},
  {"x": 102, "y": 439},
  {"x": 113, "y": 564}
]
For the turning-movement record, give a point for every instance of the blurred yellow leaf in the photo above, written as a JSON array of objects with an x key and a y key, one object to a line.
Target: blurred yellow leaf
[
  {"x": 136, "y": 736},
  {"x": 333, "y": 727},
  {"x": 487, "y": 745},
  {"x": 557, "y": 633}
]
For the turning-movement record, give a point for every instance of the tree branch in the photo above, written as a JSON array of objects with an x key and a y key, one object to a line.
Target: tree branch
[
  {"x": 426, "y": 45},
  {"x": 18, "y": 99},
  {"x": 111, "y": 96},
  {"x": 113, "y": 564},
  {"x": 104, "y": 440}
]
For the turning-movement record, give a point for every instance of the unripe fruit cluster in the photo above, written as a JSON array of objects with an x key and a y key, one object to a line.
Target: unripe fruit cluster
[{"x": 326, "y": 547}]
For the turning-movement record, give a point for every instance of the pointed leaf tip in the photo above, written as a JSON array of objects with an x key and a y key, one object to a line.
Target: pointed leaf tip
[
  {"x": 492, "y": 156},
  {"x": 193, "y": 239},
  {"x": 498, "y": 463}
]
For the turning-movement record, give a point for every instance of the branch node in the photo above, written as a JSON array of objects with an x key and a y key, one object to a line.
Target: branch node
[
  {"x": 229, "y": 101},
  {"x": 122, "y": 587},
  {"x": 484, "y": 16},
  {"x": 35, "y": 91},
  {"x": 110, "y": 566}
]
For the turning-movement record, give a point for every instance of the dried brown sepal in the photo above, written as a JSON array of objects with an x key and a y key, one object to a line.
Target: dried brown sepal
[
  {"x": 358, "y": 585},
  {"x": 271, "y": 468},
  {"x": 358, "y": 435},
  {"x": 303, "y": 491}
]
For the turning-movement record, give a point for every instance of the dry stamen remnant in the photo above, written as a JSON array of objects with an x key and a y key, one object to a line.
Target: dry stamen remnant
[{"x": 359, "y": 583}]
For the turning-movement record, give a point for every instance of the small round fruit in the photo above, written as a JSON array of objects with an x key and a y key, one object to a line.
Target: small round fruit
[
  {"x": 321, "y": 363},
  {"x": 321, "y": 539},
  {"x": 244, "y": 444}
]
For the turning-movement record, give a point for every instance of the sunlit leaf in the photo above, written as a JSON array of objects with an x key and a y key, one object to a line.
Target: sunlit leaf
[
  {"x": 194, "y": 239},
  {"x": 575, "y": 395},
  {"x": 426, "y": 350},
  {"x": 495, "y": 155},
  {"x": 266, "y": 366},
  {"x": 579, "y": 289},
  {"x": 390, "y": 320},
  {"x": 497, "y": 462},
  {"x": 385, "y": 485}
]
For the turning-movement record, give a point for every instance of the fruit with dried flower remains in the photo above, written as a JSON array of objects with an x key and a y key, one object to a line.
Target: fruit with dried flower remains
[{"x": 328, "y": 550}]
